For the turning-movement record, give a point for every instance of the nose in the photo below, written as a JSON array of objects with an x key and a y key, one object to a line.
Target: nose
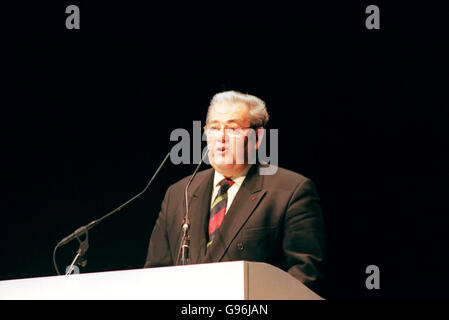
[{"x": 223, "y": 134}]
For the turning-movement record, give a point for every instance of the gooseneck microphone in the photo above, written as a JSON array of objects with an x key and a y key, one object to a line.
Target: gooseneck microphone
[
  {"x": 184, "y": 249},
  {"x": 82, "y": 231}
]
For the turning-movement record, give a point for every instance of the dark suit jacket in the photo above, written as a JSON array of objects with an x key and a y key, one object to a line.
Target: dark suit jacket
[{"x": 274, "y": 219}]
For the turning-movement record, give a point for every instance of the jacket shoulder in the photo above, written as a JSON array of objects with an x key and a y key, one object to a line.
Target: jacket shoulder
[{"x": 285, "y": 177}]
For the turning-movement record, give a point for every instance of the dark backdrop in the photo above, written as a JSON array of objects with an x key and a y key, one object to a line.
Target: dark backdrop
[{"x": 88, "y": 114}]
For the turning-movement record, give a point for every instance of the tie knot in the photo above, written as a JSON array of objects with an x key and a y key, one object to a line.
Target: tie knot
[{"x": 225, "y": 184}]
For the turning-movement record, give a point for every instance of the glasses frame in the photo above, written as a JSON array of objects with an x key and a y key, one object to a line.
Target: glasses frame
[{"x": 227, "y": 130}]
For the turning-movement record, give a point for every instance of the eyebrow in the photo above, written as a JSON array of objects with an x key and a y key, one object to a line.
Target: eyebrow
[{"x": 226, "y": 122}]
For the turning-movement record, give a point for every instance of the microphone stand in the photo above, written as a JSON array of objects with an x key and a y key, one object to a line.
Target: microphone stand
[
  {"x": 79, "y": 258},
  {"x": 84, "y": 244},
  {"x": 185, "y": 242}
]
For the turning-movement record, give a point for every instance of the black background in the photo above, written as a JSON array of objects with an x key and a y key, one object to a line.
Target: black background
[{"x": 364, "y": 113}]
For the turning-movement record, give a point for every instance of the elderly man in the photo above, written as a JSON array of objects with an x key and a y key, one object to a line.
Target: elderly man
[{"x": 236, "y": 212}]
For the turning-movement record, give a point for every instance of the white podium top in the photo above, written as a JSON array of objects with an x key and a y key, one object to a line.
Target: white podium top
[{"x": 237, "y": 280}]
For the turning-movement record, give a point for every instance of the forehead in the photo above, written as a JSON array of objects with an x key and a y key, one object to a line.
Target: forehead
[{"x": 229, "y": 111}]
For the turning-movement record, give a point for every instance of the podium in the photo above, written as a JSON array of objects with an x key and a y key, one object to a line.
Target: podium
[{"x": 236, "y": 280}]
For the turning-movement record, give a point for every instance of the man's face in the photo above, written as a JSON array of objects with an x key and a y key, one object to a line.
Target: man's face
[{"x": 227, "y": 137}]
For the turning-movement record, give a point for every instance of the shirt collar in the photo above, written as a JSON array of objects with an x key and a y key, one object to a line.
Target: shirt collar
[{"x": 238, "y": 179}]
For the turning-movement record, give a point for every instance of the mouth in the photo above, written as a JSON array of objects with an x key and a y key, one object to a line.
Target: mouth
[
  {"x": 222, "y": 148},
  {"x": 221, "y": 151}
]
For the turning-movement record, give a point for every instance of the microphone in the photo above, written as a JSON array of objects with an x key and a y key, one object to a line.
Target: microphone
[
  {"x": 185, "y": 242},
  {"x": 83, "y": 230}
]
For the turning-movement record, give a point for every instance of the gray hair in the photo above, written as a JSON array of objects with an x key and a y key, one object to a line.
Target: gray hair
[{"x": 258, "y": 115}]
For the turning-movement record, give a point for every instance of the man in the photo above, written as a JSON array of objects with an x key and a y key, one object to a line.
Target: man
[{"x": 237, "y": 212}]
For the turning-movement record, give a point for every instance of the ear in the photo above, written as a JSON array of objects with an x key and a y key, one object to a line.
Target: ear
[{"x": 260, "y": 132}]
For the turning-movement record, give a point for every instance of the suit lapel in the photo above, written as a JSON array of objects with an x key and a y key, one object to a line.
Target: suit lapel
[
  {"x": 245, "y": 201},
  {"x": 199, "y": 213}
]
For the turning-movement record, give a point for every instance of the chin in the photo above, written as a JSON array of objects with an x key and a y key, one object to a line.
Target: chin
[
  {"x": 222, "y": 166},
  {"x": 228, "y": 170}
]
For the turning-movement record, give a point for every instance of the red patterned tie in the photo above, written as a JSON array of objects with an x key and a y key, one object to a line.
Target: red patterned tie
[{"x": 218, "y": 208}]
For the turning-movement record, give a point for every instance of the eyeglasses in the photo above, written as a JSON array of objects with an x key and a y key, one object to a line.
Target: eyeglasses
[{"x": 215, "y": 130}]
